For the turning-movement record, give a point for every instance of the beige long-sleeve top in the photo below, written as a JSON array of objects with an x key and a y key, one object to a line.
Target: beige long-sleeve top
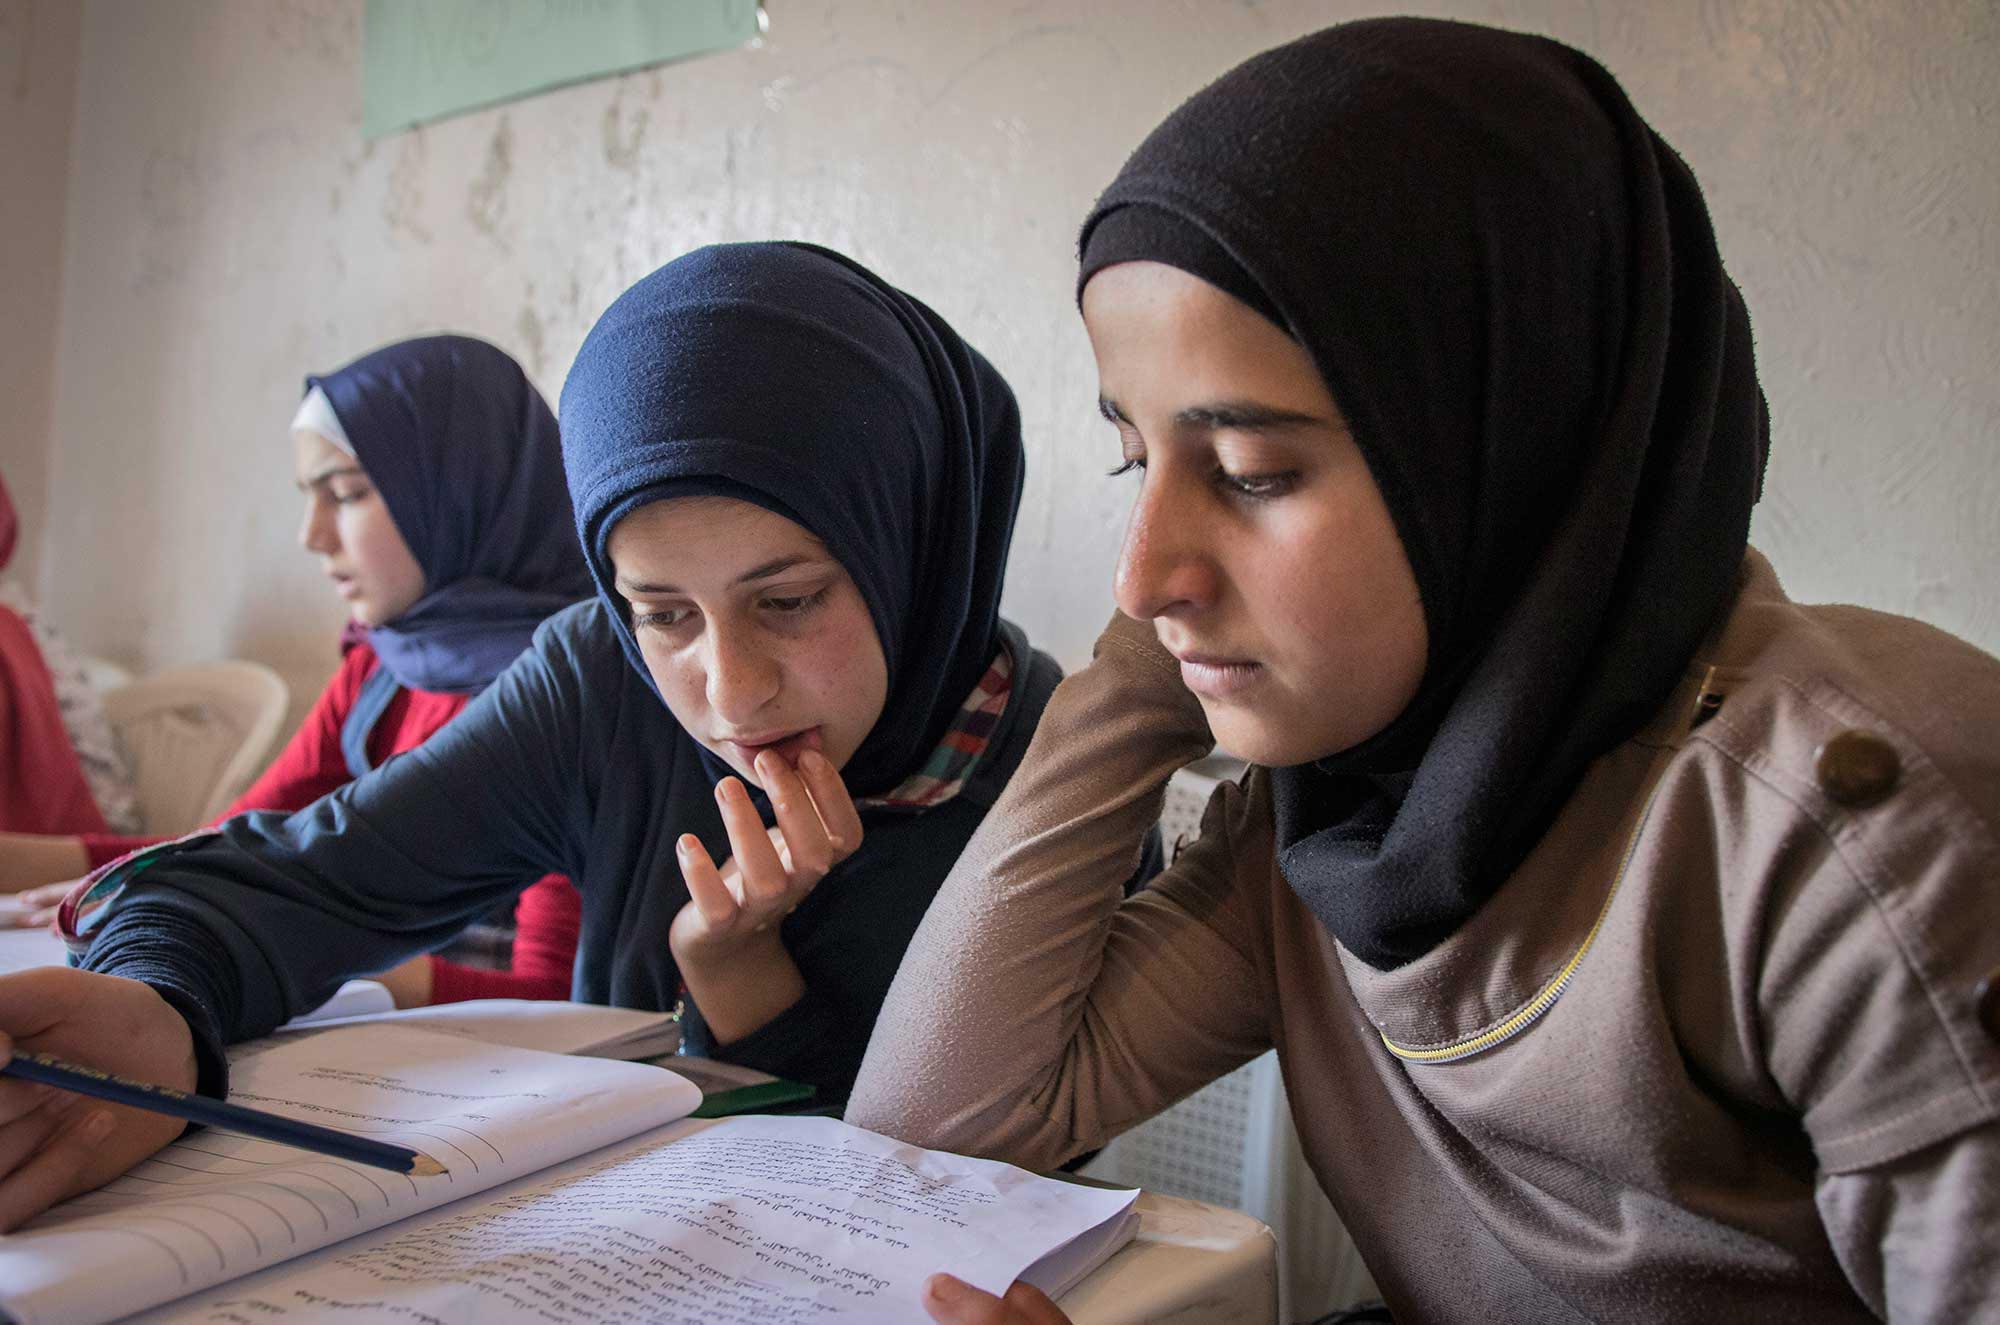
[{"x": 1715, "y": 1050}]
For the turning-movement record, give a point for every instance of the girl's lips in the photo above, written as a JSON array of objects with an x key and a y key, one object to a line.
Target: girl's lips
[
  {"x": 1217, "y": 679},
  {"x": 787, "y": 748}
]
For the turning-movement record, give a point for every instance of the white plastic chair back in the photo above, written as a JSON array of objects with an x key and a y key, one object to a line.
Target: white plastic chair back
[
  {"x": 103, "y": 674},
  {"x": 196, "y": 737}
]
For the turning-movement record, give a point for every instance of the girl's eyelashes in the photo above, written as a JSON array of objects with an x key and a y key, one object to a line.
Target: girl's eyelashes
[
  {"x": 666, "y": 619},
  {"x": 338, "y": 492},
  {"x": 781, "y": 605},
  {"x": 1257, "y": 487},
  {"x": 798, "y": 603}
]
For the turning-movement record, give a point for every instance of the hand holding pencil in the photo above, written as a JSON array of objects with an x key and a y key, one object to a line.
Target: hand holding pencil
[
  {"x": 55, "y": 1143},
  {"x": 49, "y": 1070}
]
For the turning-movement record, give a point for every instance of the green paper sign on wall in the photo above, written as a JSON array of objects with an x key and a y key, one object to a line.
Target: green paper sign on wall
[{"x": 426, "y": 59}]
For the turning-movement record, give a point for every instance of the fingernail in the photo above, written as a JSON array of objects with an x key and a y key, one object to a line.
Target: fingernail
[
  {"x": 836, "y": 841},
  {"x": 944, "y": 1289},
  {"x": 686, "y": 843},
  {"x": 722, "y": 788},
  {"x": 98, "y": 1126},
  {"x": 815, "y": 761}
]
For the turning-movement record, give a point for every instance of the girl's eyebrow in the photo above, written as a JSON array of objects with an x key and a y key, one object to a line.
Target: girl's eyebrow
[
  {"x": 1246, "y": 415},
  {"x": 332, "y": 471},
  {"x": 775, "y": 566}
]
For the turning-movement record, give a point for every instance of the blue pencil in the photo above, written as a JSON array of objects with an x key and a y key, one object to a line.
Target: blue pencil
[{"x": 52, "y": 1071}]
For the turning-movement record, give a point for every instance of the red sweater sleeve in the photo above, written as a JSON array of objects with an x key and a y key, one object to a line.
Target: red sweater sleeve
[
  {"x": 309, "y": 766},
  {"x": 547, "y": 922}
]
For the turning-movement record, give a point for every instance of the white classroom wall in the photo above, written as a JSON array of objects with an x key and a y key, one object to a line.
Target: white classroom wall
[
  {"x": 225, "y": 229},
  {"x": 38, "y": 60}
]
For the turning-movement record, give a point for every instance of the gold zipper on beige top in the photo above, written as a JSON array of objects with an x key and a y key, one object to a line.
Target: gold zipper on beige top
[{"x": 1553, "y": 990}]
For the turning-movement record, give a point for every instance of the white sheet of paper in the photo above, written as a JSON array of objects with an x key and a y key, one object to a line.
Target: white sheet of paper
[
  {"x": 355, "y": 999},
  {"x": 743, "y": 1220},
  {"x": 22, "y": 949},
  {"x": 213, "y": 1206}
]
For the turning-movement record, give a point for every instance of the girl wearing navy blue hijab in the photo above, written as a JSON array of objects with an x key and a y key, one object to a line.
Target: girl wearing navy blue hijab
[
  {"x": 431, "y": 473},
  {"x": 806, "y": 570},
  {"x": 796, "y": 486}
]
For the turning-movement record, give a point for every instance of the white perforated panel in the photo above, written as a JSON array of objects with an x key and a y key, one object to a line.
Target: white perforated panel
[{"x": 1194, "y": 1149}]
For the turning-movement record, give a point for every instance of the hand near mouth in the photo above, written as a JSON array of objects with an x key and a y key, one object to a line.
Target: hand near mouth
[{"x": 726, "y": 938}]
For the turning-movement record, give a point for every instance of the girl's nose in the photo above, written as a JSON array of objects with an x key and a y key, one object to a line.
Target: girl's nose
[
  {"x": 316, "y": 529},
  {"x": 1164, "y": 565},
  {"x": 742, "y": 676}
]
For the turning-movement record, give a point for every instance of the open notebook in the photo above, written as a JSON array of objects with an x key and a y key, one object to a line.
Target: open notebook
[{"x": 577, "y": 1192}]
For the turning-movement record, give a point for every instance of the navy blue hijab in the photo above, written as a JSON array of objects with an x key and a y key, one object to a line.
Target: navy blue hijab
[
  {"x": 793, "y": 378},
  {"x": 465, "y": 452}
]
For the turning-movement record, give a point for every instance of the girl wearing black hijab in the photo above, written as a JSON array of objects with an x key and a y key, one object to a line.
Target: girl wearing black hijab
[
  {"x": 795, "y": 487},
  {"x": 1619, "y": 924}
]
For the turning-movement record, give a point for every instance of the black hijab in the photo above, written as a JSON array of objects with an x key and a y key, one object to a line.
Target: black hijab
[{"x": 1511, "y": 287}]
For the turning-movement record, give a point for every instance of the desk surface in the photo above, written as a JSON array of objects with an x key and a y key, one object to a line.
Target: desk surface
[{"x": 1190, "y": 1263}]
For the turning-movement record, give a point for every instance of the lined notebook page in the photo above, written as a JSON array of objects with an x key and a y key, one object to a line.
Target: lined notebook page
[
  {"x": 737, "y": 1222},
  {"x": 212, "y": 1207}
]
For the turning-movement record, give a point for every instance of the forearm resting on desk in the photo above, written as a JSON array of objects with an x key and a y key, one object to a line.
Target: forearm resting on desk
[{"x": 1029, "y": 986}]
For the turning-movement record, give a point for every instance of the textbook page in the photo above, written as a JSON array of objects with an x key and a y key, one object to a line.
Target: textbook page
[
  {"x": 549, "y": 1025},
  {"x": 213, "y": 1206},
  {"x": 741, "y": 1221},
  {"x": 353, "y": 1000}
]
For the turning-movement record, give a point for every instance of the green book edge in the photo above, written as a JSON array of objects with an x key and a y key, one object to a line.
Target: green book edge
[{"x": 760, "y": 1098}]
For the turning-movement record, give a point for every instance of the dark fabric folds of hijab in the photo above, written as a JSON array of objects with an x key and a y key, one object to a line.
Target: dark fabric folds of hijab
[
  {"x": 464, "y": 451},
  {"x": 1512, "y": 289},
  {"x": 793, "y": 378}
]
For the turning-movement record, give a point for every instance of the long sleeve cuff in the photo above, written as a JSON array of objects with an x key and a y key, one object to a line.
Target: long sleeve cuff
[{"x": 149, "y": 944}]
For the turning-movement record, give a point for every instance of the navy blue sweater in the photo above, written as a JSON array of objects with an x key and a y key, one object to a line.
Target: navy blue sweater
[{"x": 568, "y": 763}]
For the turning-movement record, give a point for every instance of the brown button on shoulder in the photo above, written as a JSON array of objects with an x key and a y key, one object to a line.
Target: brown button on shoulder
[{"x": 1857, "y": 768}]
